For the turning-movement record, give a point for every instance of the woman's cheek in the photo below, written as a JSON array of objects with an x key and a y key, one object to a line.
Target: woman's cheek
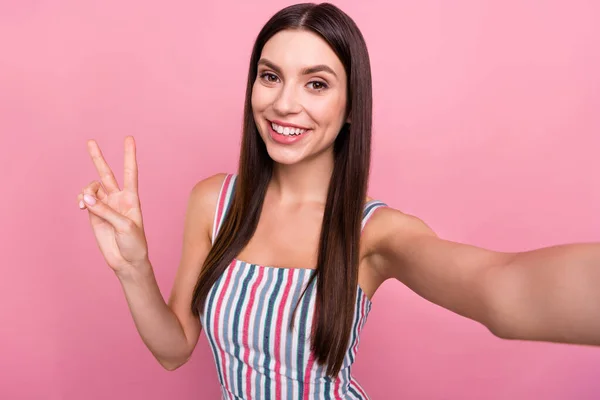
[{"x": 260, "y": 97}]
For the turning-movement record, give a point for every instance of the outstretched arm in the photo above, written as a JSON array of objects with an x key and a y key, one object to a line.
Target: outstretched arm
[{"x": 549, "y": 294}]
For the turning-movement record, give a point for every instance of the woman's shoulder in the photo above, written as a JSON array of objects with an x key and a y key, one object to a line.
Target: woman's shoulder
[
  {"x": 386, "y": 216},
  {"x": 208, "y": 189},
  {"x": 371, "y": 204},
  {"x": 387, "y": 222},
  {"x": 382, "y": 219},
  {"x": 203, "y": 199}
]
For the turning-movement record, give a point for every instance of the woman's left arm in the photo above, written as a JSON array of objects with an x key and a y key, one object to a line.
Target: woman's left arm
[{"x": 548, "y": 294}]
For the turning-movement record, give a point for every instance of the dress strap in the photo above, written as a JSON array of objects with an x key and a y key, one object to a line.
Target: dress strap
[
  {"x": 369, "y": 210},
  {"x": 225, "y": 197}
]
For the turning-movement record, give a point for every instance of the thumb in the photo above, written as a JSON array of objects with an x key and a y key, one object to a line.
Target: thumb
[{"x": 102, "y": 210}]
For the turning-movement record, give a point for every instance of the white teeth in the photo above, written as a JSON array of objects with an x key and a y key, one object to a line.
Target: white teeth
[{"x": 287, "y": 131}]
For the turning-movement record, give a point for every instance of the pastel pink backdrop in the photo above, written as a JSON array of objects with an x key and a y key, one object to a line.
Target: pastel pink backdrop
[{"x": 486, "y": 125}]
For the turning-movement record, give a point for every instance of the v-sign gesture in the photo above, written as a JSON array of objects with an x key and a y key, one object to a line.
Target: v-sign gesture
[{"x": 115, "y": 214}]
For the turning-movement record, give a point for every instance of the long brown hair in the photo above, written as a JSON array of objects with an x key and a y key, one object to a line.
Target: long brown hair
[{"x": 337, "y": 264}]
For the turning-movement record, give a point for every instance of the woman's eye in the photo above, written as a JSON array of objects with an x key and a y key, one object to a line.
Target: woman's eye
[
  {"x": 318, "y": 85},
  {"x": 269, "y": 77}
]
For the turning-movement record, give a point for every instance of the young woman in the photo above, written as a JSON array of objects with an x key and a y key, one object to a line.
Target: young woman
[{"x": 279, "y": 264}]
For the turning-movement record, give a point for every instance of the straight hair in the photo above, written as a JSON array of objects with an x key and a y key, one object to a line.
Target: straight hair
[{"x": 338, "y": 253}]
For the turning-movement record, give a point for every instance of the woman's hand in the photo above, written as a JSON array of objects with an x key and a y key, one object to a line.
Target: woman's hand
[{"x": 115, "y": 214}]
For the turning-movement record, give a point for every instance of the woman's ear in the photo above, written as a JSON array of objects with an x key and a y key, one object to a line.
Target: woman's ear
[{"x": 349, "y": 119}]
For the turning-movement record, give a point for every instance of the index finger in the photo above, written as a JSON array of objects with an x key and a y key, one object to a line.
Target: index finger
[
  {"x": 106, "y": 175},
  {"x": 130, "y": 179}
]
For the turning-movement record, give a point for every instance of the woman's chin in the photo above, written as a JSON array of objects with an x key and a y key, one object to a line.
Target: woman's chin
[
  {"x": 282, "y": 153},
  {"x": 284, "y": 156},
  {"x": 287, "y": 155}
]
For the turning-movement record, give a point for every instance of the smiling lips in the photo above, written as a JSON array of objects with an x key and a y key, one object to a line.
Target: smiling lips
[
  {"x": 286, "y": 134},
  {"x": 287, "y": 130}
]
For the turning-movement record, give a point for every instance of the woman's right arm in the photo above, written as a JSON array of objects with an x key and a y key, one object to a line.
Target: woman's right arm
[{"x": 169, "y": 329}]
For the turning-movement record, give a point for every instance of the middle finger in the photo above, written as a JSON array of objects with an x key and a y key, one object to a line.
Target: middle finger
[{"x": 106, "y": 174}]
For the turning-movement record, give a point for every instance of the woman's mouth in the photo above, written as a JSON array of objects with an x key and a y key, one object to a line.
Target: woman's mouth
[
  {"x": 287, "y": 131},
  {"x": 286, "y": 134}
]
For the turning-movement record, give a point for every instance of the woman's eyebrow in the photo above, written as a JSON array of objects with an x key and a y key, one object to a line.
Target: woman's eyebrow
[
  {"x": 269, "y": 64},
  {"x": 318, "y": 68},
  {"x": 305, "y": 71}
]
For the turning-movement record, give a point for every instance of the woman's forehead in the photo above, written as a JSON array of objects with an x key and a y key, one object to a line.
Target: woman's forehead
[{"x": 297, "y": 49}]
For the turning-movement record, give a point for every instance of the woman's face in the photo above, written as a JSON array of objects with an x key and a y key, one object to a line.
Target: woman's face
[{"x": 299, "y": 96}]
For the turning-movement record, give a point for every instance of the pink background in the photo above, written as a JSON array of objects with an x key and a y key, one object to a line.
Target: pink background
[{"x": 486, "y": 126}]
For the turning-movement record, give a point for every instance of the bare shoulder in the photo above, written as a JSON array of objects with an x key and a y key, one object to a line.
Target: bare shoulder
[
  {"x": 389, "y": 228},
  {"x": 388, "y": 219},
  {"x": 208, "y": 189},
  {"x": 203, "y": 200}
]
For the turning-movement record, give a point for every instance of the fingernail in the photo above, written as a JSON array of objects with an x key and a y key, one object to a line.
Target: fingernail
[
  {"x": 89, "y": 199},
  {"x": 81, "y": 204}
]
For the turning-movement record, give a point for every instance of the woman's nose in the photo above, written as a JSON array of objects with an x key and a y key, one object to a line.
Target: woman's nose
[{"x": 287, "y": 101}]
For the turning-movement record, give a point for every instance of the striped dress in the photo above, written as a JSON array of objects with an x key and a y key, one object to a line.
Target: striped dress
[{"x": 246, "y": 320}]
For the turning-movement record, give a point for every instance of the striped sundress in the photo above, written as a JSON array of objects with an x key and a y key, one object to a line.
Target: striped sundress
[{"x": 246, "y": 320}]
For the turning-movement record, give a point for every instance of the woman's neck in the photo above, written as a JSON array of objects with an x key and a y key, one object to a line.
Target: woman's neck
[{"x": 305, "y": 182}]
